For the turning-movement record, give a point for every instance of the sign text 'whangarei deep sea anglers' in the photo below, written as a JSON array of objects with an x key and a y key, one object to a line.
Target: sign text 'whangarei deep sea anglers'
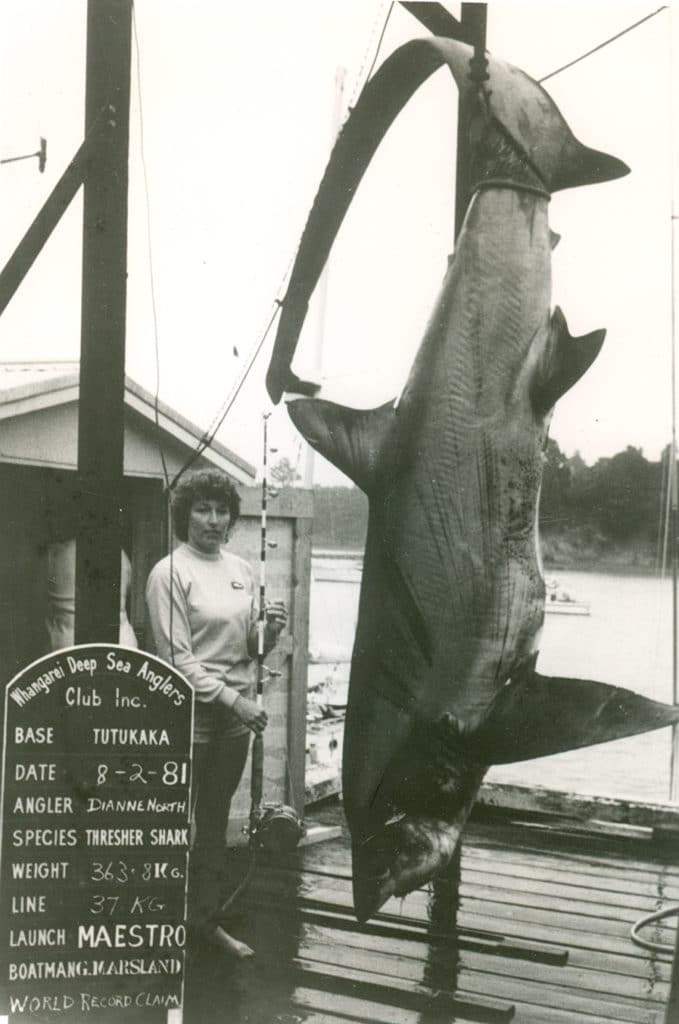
[{"x": 95, "y": 835}]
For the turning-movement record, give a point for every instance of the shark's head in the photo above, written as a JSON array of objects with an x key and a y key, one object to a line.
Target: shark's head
[{"x": 531, "y": 118}]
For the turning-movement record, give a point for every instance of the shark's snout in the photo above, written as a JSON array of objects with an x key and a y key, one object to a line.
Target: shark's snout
[
  {"x": 405, "y": 855},
  {"x": 532, "y": 119}
]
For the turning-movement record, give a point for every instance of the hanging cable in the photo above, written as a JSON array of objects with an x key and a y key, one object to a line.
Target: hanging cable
[
  {"x": 600, "y": 46},
  {"x": 209, "y": 436},
  {"x": 360, "y": 80},
  {"x": 156, "y": 398},
  {"x": 149, "y": 248}
]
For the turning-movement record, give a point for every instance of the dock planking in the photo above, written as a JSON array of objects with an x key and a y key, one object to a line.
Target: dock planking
[{"x": 536, "y": 930}]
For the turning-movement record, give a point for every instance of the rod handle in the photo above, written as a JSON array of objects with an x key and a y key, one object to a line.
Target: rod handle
[{"x": 257, "y": 771}]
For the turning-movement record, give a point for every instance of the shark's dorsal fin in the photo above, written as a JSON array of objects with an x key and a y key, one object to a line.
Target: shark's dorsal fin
[
  {"x": 563, "y": 362},
  {"x": 354, "y": 440},
  {"x": 534, "y": 716}
]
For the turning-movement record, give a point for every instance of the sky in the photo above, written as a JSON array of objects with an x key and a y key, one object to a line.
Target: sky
[{"x": 234, "y": 108}]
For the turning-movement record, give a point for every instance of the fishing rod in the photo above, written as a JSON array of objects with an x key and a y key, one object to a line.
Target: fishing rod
[{"x": 273, "y": 826}]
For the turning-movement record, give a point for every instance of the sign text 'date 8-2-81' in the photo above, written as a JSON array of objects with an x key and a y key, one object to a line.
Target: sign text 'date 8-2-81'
[{"x": 95, "y": 835}]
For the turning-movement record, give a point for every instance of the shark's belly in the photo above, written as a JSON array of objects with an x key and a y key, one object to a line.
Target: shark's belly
[
  {"x": 452, "y": 598},
  {"x": 453, "y": 593}
]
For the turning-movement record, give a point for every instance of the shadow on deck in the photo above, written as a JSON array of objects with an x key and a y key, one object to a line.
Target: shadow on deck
[{"x": 532, "y": 925}]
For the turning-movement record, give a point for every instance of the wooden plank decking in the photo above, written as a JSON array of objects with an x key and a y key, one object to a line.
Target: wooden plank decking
[{"x": 536, "y": 930}]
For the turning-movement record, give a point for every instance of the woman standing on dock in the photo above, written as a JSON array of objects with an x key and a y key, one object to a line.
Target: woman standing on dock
[{"x": 201, "y": 601}]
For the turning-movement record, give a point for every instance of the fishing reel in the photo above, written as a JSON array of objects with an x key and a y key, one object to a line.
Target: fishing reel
[{"x": 276, "y": 828}]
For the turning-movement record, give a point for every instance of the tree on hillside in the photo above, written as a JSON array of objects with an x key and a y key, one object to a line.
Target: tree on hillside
[
  {"x": 556, "y": 482},
  {"x": 623, "y": 495},
  {"x": 340, "y": 517},
  {"x": 284, "y": 474}
]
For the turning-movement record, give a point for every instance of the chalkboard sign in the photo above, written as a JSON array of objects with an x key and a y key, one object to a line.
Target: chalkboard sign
[{"x": 96, "y": 813}]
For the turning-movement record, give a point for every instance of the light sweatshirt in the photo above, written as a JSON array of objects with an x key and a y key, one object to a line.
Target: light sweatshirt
[{"x": 202, "y": 608}]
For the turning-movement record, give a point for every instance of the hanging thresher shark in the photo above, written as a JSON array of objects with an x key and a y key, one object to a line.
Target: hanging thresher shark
[{"x": 443, "y": 680}]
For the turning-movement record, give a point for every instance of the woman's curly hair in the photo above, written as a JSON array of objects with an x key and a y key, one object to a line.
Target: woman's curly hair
[{"x": 204, "y": 484}]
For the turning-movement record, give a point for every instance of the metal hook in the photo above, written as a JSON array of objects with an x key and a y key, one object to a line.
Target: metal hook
[{"x": 40, "y": 153}]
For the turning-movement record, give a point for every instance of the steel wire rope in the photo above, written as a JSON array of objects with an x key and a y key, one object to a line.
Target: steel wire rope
[
  {"x": 156, "y": 337},
  {"x": 360, "y": 82},
  {"x": 149, "y": 247},
  {"x": 600, "y": 46}
]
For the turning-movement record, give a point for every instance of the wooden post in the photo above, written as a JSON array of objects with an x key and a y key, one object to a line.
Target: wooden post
[
  {"x": 102, "y": 361},
  {"x": 299, "y": 666},
  {"x": 672, "y": 1007}
]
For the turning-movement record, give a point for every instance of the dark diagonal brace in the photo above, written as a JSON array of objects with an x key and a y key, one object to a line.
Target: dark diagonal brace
[{"x": 30, "y": 246}]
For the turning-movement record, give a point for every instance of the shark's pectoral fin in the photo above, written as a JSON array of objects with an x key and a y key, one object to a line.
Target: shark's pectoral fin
[
  {"x": 354, "y": 440},
  {"x": 536, "y": 715},
  {"x": 564, "y": 361}
]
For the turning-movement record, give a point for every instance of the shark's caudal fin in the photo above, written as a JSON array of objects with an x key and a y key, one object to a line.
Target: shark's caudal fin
[
  {"x": 536, "y": 715},
  {"x": 564, "y": 361},
  {"x": 354, "y": 440}
]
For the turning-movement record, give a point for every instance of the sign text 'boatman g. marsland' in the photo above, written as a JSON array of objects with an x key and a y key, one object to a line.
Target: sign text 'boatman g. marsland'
[{"x": 95, "y": 835}]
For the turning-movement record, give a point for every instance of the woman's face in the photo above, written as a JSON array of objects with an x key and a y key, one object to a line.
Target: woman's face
[{"x": 209, "y": 520}]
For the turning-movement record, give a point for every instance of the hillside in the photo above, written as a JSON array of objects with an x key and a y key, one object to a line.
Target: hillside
[{"x": 605, "y": 516}]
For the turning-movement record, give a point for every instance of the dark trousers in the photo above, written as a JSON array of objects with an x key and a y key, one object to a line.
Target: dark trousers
[{"x": 217, "y": 769}]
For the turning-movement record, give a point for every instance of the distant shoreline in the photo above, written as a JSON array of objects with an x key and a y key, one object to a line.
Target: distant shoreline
[{"x": 615, "y": 566}]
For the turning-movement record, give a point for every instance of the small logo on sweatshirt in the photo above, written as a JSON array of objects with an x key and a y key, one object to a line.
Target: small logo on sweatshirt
[{"x": 237, "y": 585}]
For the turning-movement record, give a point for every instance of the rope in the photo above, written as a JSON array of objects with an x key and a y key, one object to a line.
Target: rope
[
  {"x": 209, "y": 435},
  {"x": 149, "y": 248},
  {"x": 600, "y": 46},
  {"x": 360, "y": 85},
  {"x": 660, "y": 915},
  {"x": 156, "y": 335},
  {"x": 242, "y": 885}
]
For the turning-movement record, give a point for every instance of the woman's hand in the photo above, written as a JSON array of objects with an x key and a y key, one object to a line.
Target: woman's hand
[
  {"x": 276, "y": 615},
  {"x": 250, "y": 714}
]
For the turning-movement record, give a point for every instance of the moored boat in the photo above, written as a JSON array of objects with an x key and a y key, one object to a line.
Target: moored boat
[{"x": 560, "y": 602}]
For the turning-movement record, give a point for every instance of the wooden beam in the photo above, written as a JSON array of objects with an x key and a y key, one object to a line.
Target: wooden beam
[
  {"x": 672, "y": 1008},
  {"x": 102, "y": 361},
  {"x": 437, "y": 19},
  {"x": 536, "y": 799},
  {"x": 30, "y": 246}
]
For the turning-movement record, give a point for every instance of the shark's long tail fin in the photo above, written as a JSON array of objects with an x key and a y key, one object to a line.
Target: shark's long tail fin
[
  {"x": 525, "y": 112},
  {"x": 534, "y": 716}
]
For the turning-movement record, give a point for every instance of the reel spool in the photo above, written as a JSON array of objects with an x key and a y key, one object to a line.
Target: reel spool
[{"x": 278, "y": 830}]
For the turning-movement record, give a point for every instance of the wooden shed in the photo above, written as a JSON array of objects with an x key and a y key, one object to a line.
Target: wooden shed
[{"x": 39, "y": 498}]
